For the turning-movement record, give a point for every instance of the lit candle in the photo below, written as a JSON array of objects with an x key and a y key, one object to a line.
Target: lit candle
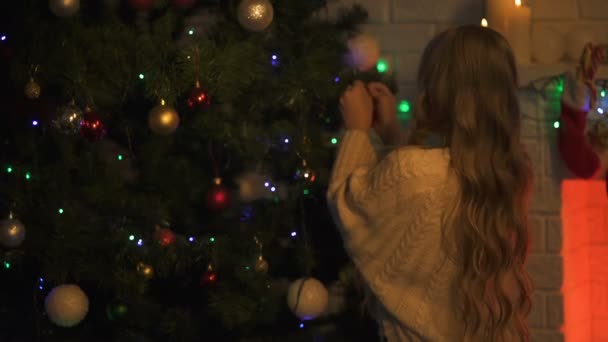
[
  {"x": 517, "y": 32},
  {"x": 496, "y": 14}
]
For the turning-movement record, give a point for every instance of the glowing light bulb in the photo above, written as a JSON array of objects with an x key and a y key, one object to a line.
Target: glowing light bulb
[
  {"x": 337, "y": 79},
  {"x": 9, "y": 169},
  {"x": 191, "y": 32},
  {"x": 7, "y": 265},
  {"x": 382, "y": 66},
  {"x": 212, "y": 239},
  {"x": 34, "y": 123},
  {"x": 600, "y": 110},
  {"x": 302, "y": 325},
  {"x": 334, "y": 141},
  {"x": 293, "y": 234},
  {"x": 3, "y": 37},
  {"x": 404, "y": 106},
  {"x": 140, "y": 242},
  {"x": 286, "y": 141},
  {"x": 266, "y": 184},
  {"x": 484, "y": 22},
  {"x": 556, "y": 124},
  {"x": 28, "y": 176},
  {"x": 119, "y": 157},
  {"x": 60, "y": 211},
  {"x": 603, "y": 93},
  {"x": 518, "y": 3},
  {"x": 191, "y": 239},
  {"x": 131, "y": 237},
  {"x": 306, "y": 192},
  {"x": 273, "y": 189}
]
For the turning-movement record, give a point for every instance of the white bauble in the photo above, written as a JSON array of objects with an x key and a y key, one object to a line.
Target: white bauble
[
  {"x": 364, "y": 52},
  {"x": 548, "y": 46},
  {"x": 66, "y": 305},
  {"x": 255, "y": 15},
  {"x": 576, "y": 41},
  {"x": 307, "y": 298}
]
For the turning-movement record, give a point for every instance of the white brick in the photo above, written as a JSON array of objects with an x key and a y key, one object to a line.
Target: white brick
[
  {"x": 406, "y": 66},
  {"x": 546, "y": 196},
  {"x": 552, "y": 9},
  {"x": 459, "y": 11},
  {"x": 555, "y": 310},
  {"x": 534, "y": 149},
  {"x": 554, "y": 235},
  {"x": 378, "y": 10},
  {"x": 537, "y": 235},
  {"x": 594, "y": 9},
  {"x": 402, "y": 37},
  {"x": 546, "y": 271},
  {"x": 536, "y": 319},
  {"x": 528, "y": 103}
]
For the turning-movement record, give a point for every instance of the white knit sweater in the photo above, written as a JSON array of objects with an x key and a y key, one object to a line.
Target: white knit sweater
[{"x": 390, "y": 212}]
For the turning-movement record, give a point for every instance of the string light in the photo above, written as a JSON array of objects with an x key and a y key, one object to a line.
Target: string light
[
  {"x": 484, "y": 22},
  {"x": 7, "y": 264},
  {"x": 600, "y": 110},
  {"x": 140, "y": 242},
  {"x": 191, "y": 239},
  {"x": 337, "y": 79},
  {"x": 60, "y": 211},
  {"x": 212, "y": 239},
  {"x": 603, "y": 93},
  {"x": 293, "y": 234},
  {"x": 3, "y": 37},
  {"x": 131, "y": 237},
  {"x": 382, "y": 66},
  {"x": 40, "y": 283},
  {"x": 404, "y": 106},
  {"x": 275, "y": 60},
  {"x": 119, "y": 157},
  {"x": 266, "y": 184},
  {"x": 191, "y": 32},
  {"x": 34, "y": 123},
  {"x": 556, "y": 124},
  {"x": 301, "y": 325},
  {"x": 9, "y": 169},
  {"x": 334, "y": 141},
  {"x": 306, "y": 192},
  {"x": 141, "y": 76},
  {"x": 28, "y": 176},
  {"x": 286, "y": 140}
]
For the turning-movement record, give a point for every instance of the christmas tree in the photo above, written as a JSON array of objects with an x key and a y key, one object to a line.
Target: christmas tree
[{"x": 164, "y": 167}]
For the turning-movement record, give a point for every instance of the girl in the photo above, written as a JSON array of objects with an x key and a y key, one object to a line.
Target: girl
[{"x": 438, "y": 229}]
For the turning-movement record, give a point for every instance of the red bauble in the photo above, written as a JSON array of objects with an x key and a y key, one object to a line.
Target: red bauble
[
  {"x": 199, "y": 99},
  {"x": 184, "y": 3},
  {"x": 141, "y": 5},
  {"x": 209, "y": 278},
  {"x": 165, "y": 237},
  {"x": 92, "y": 128},
  {"x": 218, "y": 197}
]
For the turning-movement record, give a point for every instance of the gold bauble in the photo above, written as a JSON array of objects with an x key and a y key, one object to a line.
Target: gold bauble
[
  {"x": 32, "y": 90},
  {"x": 163, "y": 120},
  {"x": 145, "y": 270},
  {"x": 255, "y": 15},
  {"x": 261, "y": 265}
]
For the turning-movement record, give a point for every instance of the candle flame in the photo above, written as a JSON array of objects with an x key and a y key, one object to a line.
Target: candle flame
[
  {"x": 484, "y": 22},
  {"x": 518, "y": 3}
]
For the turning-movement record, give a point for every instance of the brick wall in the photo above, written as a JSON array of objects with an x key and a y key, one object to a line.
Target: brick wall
[{"x": 403, "y": 27}]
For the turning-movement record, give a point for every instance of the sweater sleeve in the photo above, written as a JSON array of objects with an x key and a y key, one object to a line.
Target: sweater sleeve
[
  {"x": 356, "y": 189},
  {"x": 573, "y": 147}
]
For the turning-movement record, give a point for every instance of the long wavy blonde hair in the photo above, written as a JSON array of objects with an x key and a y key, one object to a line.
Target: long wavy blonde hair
[{"x": 467, "y": 96}]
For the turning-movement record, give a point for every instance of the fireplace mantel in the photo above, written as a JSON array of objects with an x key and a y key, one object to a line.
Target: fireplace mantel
[{"x": 533, "y": 72}]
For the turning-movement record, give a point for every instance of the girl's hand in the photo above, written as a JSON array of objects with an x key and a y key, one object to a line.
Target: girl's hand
[
  {"x": 385, "y": 122},
  {"x": 357, "y": 106}
]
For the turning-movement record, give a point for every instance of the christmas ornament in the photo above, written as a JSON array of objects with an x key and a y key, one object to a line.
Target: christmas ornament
[
  {"x": 92, "y": 128},
  {"x": 199, "y": 98},
  {"x": 364, "y": 52},
  {"x": 163, "y": 119},
  {"x": 66, "y": 305},
  {"x": 64, "y": 8},
  {"x": 307, "y": 298},
  {"x": 12, "y": 232},
  {"x": 251, "y": 186},
  {"x": 164, "y": 236},
  {"x": 141, "y": 5},
  {"x": 184, "y": 3},
  {"x": 261, "y": 265},
  {"x": 255, "y": 15},
  {"x": 218, "y": 197},
  {"x": 145, "y": 270},
  {"x": 69, "y": 119},
  {"x": 116, "y": 311},
  {"x": 209, "y": 278},
  {"x": 32, "y": 89}
]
